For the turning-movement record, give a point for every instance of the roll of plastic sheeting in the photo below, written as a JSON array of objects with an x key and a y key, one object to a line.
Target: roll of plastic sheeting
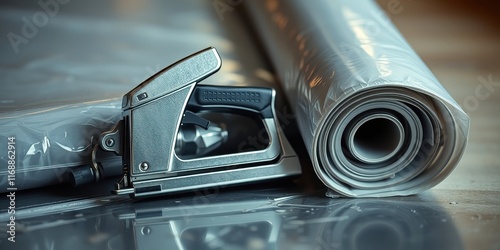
[{"x": 375, "y": 120}]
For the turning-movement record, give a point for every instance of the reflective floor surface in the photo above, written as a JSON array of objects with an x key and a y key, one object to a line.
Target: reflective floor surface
[{"x": 275, "y": 217}]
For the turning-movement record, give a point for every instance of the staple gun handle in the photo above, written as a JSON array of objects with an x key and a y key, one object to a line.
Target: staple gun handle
[
  {"x": 256, "y": 99},
  {"x": 185, "y": 72}
]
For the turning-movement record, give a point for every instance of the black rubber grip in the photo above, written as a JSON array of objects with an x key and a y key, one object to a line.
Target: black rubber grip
[
  {"x": 81, "y": 175},
  {"x": 249, "y": 98}
]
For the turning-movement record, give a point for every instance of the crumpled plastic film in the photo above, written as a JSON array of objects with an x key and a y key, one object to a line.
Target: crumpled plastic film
[
  {"x": 50, "y": 141},
  {"x": 63, "y": 87},
  {"x": 374, "y": 119}
]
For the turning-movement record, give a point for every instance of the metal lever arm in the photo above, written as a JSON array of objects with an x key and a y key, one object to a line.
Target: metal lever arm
[{"x": 189, "y": 70}]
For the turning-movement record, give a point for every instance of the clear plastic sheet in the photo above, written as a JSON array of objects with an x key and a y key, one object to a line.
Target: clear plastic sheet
[
  {"x": 374, "y": 119},
  {"x": 63, "y": 78},
  {"x": 50, "y": 141}
]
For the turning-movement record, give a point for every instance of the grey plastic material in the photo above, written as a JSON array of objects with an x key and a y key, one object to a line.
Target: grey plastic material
[
  {"x": 343, "y": 64},
  {"x": 364, "y": 140},
  {"x": 63, "y": 88}
]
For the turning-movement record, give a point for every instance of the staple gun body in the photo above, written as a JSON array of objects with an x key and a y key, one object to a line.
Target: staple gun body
[{"x": 163, "y": 119}]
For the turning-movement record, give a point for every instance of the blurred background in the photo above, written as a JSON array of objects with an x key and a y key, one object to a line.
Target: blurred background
[{"x": 460, "y": 42}]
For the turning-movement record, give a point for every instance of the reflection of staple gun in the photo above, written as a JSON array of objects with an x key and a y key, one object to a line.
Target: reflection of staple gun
[
  {"x": 216, "y": 226},
  {"x": 176, "y": 135}
]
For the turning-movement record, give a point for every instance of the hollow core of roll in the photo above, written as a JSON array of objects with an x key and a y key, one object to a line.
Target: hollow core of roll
[{"x": 376, "y": 138}]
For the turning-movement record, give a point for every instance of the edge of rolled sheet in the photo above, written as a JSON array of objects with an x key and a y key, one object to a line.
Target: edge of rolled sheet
[{"x": 375, "y": 120}]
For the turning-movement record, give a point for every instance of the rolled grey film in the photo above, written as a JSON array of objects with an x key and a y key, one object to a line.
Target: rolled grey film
[{"x": 375, "y": 120}]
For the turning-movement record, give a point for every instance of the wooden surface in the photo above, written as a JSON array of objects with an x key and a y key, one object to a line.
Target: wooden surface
[{"x": 460, "y": 42}]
